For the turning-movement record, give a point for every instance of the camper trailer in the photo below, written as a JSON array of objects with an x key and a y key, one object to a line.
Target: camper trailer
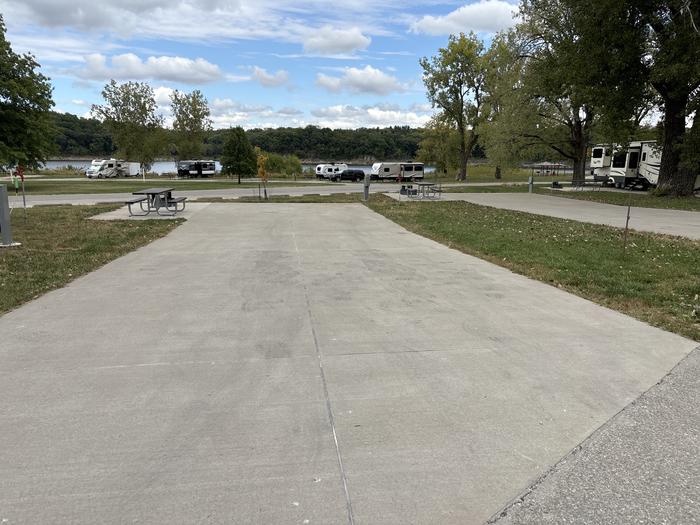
[
  {"x": 397, "y": 171},
  {"x": 634, "y": 166},
  {"x": 196, "y": 168},
  {"x": 330, "y": 171},
  {"x": 110, "y": 168}
]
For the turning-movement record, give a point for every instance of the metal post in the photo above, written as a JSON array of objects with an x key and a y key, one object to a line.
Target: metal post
[
  {"x": 366, "y": 186},
  {"x": 530, "y": 181},
  {"x": 5, "y": 226}
]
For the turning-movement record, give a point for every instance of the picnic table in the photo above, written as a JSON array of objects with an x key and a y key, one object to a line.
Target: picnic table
[
  {"x": 426, "y": 190},
  {"x": 159, "y": 200}
]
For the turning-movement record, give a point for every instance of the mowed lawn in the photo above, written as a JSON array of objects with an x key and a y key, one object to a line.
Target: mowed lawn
[
  {"x": 65, "y": 187},
  {"x": 656, "y": 280},
  {"x": 60, "y": 243},
  {"x": 638, "y": 199}
]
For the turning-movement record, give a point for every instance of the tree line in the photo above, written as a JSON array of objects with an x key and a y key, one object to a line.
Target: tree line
[
  {"x": 569, "y": 74},
  {"x": 78, "y": 136}
]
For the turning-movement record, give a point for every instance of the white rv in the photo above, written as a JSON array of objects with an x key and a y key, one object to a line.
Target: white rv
[
  {"x": 330, "y": 171},
  {"x": 397, "y": 171},
  {"x": 636, "y": 165},
  {"x": 106, "y": 169}
]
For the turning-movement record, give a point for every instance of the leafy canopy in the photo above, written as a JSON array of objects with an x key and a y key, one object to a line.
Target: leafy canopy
[{"x": 26, "y": 134}]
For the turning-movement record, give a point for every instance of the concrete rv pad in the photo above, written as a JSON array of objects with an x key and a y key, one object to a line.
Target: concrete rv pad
[{"x": 272, "y": 363}]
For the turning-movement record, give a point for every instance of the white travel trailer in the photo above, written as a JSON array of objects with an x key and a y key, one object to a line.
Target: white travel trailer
[
  {"x": 397, "y": 171},
  {"x": 637, "y": 165},
  {"x": 330, "y": 171},
  {"x": 106, "y": 169}
]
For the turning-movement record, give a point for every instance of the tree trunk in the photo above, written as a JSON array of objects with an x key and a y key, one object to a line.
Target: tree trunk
[
  {"x": 672, "y": 180},
  {"x": 580, "y": 144},
  {"x": 498, "y": 173}
]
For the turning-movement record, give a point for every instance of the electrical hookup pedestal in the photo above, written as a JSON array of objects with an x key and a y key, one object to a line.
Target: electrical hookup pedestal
[{"x": 5, "y": 226}]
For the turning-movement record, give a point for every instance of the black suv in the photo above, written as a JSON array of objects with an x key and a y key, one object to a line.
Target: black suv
[{"x": 352, "y": 175}]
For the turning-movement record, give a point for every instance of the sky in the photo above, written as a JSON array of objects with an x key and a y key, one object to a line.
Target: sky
[{"x": 260, "y": 63}]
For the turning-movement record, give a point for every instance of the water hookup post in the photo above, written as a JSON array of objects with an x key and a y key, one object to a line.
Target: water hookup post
[
  {"x": 5, "y": 226},
  {"x": 368, "y": 178}
]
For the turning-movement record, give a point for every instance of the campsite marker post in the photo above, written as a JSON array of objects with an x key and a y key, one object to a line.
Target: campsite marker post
[{"x": 5, "y": 226}]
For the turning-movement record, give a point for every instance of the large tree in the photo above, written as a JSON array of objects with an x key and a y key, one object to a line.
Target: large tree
[
  {"x": 440, "y": 145},
  {"x": 454, "y": 81},
  {"x": 129, "y": 113},
  {"x": 583, "y": 72},
  {"x": 673, "y": 60},
  {"x": 191, "y": 123},
  {"x": 25, "y": 100},
  {"x": 238, "y": 156}
]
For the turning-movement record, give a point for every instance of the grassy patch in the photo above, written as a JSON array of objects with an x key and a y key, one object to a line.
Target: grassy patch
[
  {"x": 641, "y": 200},
  {"x": 486, "y": 173},
  {"x": 60, "y": 243},
  {"x": 64, "y": 187},
  {"x": 334, "y": 197},
  {"x": 656, "y": 281},
  {"x": 505, "y": 188}
]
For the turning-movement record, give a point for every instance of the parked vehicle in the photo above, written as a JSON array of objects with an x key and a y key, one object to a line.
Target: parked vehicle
[
  {"x": 330, "y": 171},
  {"x": 354, "y": 175},
  {"x": 635, "y": 166},
  {"x": 110, "y": 168},
  {"x": 196, "y": 168},
  {"x": 397, "y": 171}
]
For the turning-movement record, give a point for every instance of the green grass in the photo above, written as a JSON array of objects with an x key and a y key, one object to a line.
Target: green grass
[
  {"x": 656, "y": 280},
  {"x": 641, "y": 200},
  {"x": 58, "y": 187},
  {"x": 486, "y": 173},
  {"x": 506, "y": 188},
  {"x": 60, "y": 243},
  {"x": 333, "y": 198}
]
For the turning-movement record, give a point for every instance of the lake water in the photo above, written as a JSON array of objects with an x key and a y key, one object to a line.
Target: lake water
[{"x": 166, "y": 166}]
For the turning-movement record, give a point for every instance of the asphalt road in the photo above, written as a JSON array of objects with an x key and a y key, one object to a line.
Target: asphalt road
[
  {"x": 668, "y": 222},
  {"x": 303, "y": 364}
]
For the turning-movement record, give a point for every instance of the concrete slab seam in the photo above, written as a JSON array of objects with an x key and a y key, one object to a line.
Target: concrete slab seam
[
  {"x": 554, "y": 468},
  {"x": 329, "y": 408}
]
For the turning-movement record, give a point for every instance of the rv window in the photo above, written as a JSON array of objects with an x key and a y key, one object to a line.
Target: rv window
[
  {"x": 634, "y": 160},
  {"x": 386, "y": 170},
  {"x": 419, "y": 168},
  {"x": 644, "y": 156},
  {"x": 408, "y": 168},
  {"x": 619, "y": 160},
  {"x": 598, "y": 153},
  {"x": 110, "y": 165}
]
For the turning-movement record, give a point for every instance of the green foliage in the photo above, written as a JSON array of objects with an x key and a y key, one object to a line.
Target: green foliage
[
  {"x": 440, "y": 145},
  {"x": 191, "y": 123},
  {"x": 286, "y": 165},
  {"x": 454, "y": 80},
  {"x": 238, "y": 156},
  {"x": 312, "y": 143},
  {"x": 130, "y": 116},
  {"x": 25, "y": 101},
  {"x": 76, "y": 136}
]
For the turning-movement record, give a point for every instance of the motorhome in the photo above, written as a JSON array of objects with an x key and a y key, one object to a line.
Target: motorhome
[
  {"x": 637, "y": 165},
  {"x": 196, "y": 168},
  {"x": 110, "y": 168},
  {"x": 397, "y": 171},
  {"x": 330, "y": 171}
]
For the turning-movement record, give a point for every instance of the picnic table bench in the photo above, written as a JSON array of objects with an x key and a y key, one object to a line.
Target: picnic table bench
[{"x": 155, "y": 200}]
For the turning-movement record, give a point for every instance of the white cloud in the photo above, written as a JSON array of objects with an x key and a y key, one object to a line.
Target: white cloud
[
  {"x": 488, "y": 16},
  {"x": 226, "y": 112},
  {"x": 366, "y": 80},
  {"x": 377, "y": 116},
  {"x": 269, "y": 79},
  {"x": 331, "y": 41},
  {"x": 130, "y": 67}
]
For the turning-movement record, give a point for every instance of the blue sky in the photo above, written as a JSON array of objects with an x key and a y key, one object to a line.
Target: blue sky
[{"x": 260, "y": 63}]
